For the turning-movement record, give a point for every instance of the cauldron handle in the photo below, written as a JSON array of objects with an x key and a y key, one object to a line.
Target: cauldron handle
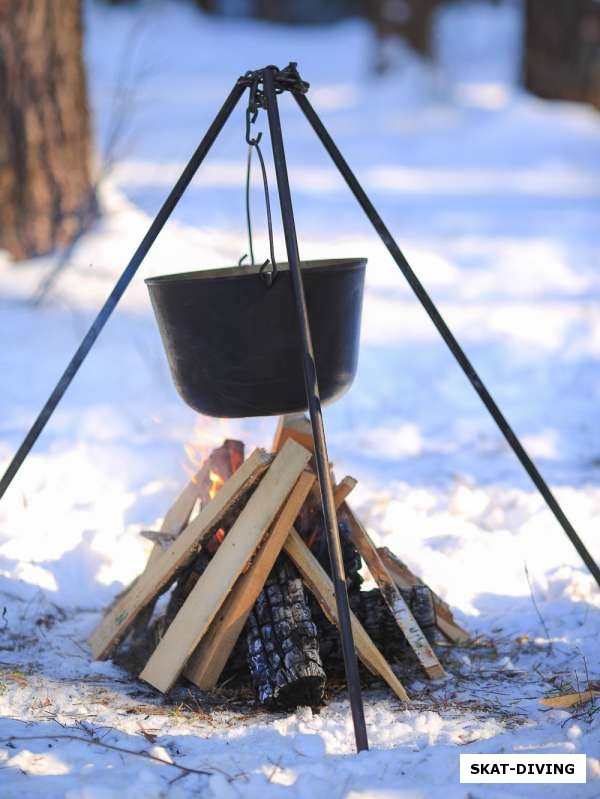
[{"x": 254, "y": 144}]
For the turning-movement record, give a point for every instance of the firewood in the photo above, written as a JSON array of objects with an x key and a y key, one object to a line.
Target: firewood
[
  {"x": 312, "y": 521},
  {"x": 317, "y": 542},
  {"x": 134, "y": 651},
  {"x": 299, "y": 425},
  {"x": 179, "y": 513},
  {"x": 404, "y": 578},
  {"x": 223, "y": 460},
  {"x": 394, "y": 599},
  {"x": 275, "y": 680},
  {"x": 322, "y": 588},
  {"x": 283, "y": 648},
  {"x": 295, "y": 426},
  {"x": 229, "y": 561},
  {"x": 371, "y": 610},
  {"x": 210, "y": 656},
  {"x": 570, "y": 700},
  {"x": 343, "y": 488},
  {"x": 174, "y": 522},
  {"x": 163, "y": 540},
  {"x": 221, "y": 463},
  {"x": 120, "y": 617}
]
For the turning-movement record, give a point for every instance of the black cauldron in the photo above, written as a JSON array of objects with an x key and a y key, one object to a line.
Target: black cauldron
[{"x": 233, "y": 342}]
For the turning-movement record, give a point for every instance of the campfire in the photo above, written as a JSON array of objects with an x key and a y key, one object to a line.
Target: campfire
[
  {"x": 242, "y": 560},
  {"x": 242, "y": 556}
]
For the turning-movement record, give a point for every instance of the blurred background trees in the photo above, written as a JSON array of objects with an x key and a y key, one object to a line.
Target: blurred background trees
[
  {"x": 562, "y": 37},
  {"x": 562, "y": 49},
  {"x": 561, "y": 53},
  {"x": 409, "y": 19},
  {"x": 47, "y": 195},
  {"x": 46, "y": 188}
]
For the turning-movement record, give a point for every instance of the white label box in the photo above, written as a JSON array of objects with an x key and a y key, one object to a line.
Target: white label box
[{"x": 522, "y": 768}]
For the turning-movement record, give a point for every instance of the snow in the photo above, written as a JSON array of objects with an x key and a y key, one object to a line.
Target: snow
[{"x": 494, "y": 196}]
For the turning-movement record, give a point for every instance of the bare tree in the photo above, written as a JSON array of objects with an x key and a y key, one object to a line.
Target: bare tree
[{"x": 47, "y": 194}]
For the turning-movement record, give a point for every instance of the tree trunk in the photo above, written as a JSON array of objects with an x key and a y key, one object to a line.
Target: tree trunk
[
  {"x": 46, "y": 191},
  {"x": 408, "y": 19},
  {"x": 562, "y": 49}
]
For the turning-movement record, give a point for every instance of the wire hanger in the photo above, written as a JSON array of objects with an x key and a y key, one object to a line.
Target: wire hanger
[{"x": 268, "y": 275}]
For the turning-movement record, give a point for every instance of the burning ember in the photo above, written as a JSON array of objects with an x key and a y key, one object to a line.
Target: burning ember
[{"x": 216, "y": 482}]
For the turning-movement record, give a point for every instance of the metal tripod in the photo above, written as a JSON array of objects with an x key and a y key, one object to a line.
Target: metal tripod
[{"x": 266, "y": 84}]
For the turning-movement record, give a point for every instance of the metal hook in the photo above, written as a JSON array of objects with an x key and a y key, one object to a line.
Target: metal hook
[
  {"x": 252, "y": 112},
  {"x": 250, "y": 120},
  {"x": 269, "y": 276}
]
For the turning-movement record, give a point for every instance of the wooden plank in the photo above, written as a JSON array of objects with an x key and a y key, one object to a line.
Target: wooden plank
[
  {"x": 223, "y": 461},
  {"x": 179, "y": 513},
  {"x": 298, "y": 427},
  {"x": 229, "y": 561},
  {"x": 340, "y": 493},
  {"x": 295, "y": 426},
  {"x": 226, "y": 459},
  {"x": 317, "y": 579},
  {"x": 343, "y": 488},
  {"x": 163, "y": 540},
  {"x": 404, "y": 578},
  {"x": 570, "y": 700},
  {"x": 210, "y": 656},
  {"x": 216, "y": 646},
  {"x": 123, "y": 613},
  {"x": 392, "y": 596}
]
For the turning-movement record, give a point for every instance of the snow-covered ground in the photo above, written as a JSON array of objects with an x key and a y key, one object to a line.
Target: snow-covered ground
[{"x": 494, "y": 196}]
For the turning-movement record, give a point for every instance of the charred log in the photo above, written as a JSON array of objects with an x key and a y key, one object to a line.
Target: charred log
[
  {"x": 373, "y": 613},
  {"x": 283, "y": 649},
  {"x": 317, "y": 540}
]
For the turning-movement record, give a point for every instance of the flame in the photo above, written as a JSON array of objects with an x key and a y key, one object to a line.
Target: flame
[
  {"x": 203, "y": 440},
  {"x": 216, "y": 482},
  {"x": 193, "y": 454}
]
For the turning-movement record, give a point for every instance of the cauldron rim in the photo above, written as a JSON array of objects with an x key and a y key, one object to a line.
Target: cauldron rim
[{"x": 231, "y": 272}]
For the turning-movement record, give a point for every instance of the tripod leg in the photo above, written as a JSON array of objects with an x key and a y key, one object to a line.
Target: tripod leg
[
  {"x": 121, "y": 285},
  {"x": 316, "y": 417},
  {"x": 445, "y": 332}
]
